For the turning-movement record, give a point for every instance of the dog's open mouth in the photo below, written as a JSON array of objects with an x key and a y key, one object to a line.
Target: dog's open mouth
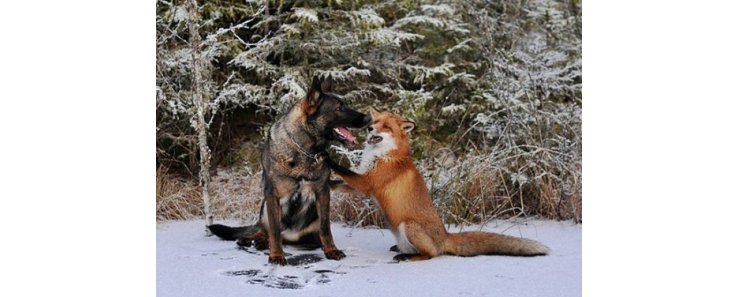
[
  {"x": 374, "y": 139},
  {"x": 344, "y": 135}
]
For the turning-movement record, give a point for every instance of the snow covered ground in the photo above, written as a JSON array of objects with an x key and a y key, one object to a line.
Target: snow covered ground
[{"x": 191, "y": 264}]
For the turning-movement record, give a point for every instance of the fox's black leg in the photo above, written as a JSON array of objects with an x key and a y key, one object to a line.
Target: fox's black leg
[{"x": 412, "y": 257}]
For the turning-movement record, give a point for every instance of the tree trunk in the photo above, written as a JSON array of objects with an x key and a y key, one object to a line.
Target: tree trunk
[{"x": 200, "y": 101}]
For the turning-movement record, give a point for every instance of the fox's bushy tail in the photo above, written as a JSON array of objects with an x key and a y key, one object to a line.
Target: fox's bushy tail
[
  {"x": 485, "y": 243},
  {"x": 232, "y": 233}
]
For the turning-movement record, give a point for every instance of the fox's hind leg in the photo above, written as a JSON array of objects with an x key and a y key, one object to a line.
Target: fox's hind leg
[
  {"x": 412, "y": 257},
  {"x": 411, "y": 233}
]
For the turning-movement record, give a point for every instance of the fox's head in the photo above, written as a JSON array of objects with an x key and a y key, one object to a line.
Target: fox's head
[{"x": 388, "y": 134}]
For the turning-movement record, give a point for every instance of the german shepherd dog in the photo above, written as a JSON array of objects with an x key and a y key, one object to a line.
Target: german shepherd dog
[{"x": 295, "y": 208}]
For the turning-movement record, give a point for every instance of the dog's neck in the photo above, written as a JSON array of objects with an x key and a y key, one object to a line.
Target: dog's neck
[{"x": 307, "y": 133}]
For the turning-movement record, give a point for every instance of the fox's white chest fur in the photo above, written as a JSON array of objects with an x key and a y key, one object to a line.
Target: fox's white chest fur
[{"x": 373, "y": 152}]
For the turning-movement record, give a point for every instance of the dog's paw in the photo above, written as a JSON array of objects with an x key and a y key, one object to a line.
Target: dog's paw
[
  {"x": 244, "y": 242},
  {"x": 335, "y": 255},
  {"x": 395, "y": 249},
  {"x": 261, "y": 245},
  {"x": 278, "y": 260}
]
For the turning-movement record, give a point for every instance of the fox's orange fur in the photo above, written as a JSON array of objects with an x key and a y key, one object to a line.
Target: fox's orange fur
[{"x": 387, "y": 172}]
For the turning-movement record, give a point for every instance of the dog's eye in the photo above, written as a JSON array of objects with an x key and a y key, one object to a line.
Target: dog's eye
[{"x": 339, "y": 108}]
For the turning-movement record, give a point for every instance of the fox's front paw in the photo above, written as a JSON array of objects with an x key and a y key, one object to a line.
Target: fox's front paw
[
  {"x": 335, "y": 255},
  {"x": 279, "y": 260},
  {"x": 395, "y": 249},
  {"x": 401, "y": 257}
]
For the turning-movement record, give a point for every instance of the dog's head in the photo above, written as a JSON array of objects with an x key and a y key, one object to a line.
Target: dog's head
[{"x": 330, "y": 114}]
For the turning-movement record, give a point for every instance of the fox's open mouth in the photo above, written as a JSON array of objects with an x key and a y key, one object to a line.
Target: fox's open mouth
[
  {"x": 374, "y": 139},
  {"x": 344, "y": 135}
]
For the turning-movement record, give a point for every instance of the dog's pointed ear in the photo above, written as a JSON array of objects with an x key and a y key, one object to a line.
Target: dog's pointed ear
[
  {"x": 408, "y": 126},
  {"x": 314, "y": 93},
  {"x": 374, "y": 112},
  {"x": 327, "y": 86}
]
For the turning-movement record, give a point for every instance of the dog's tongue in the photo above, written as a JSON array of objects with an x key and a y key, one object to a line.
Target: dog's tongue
[{"x": 346, "y": 134}]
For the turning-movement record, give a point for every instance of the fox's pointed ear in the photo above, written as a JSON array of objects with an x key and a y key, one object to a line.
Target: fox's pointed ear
[
  {"x": 374, "y": 112},
  {"x": 327, "y": 86},
  {"x": 408, "y": 126},
  {"x": 314, "y": 93}
]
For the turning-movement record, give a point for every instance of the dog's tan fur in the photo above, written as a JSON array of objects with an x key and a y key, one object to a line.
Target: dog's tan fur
[{"x": 295, "y": 208}]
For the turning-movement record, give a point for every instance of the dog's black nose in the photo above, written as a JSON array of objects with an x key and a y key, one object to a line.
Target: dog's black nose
[{"x": 366, "y": 121}]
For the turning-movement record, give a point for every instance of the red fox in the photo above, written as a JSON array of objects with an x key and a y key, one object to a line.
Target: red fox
[{"x": 387, "y": 172}]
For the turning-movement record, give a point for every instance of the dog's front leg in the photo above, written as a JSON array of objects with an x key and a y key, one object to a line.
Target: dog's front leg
[
  {"x": 277, "y": 256},
  {"x": 327, "y": 241}
]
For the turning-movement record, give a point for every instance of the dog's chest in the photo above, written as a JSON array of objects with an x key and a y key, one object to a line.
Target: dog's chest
[
  {"x": 300, "y": 199},
  {"x": 299, "y": 208},
  {"x": 299, "y": 166}
]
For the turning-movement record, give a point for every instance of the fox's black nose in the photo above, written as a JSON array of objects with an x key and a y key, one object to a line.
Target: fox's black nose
[
  {"x": 366, "y": 120},
  {"x": 369, "y": 128}
]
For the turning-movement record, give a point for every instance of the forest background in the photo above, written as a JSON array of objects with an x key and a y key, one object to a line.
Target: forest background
[{"x": 494, "y": 87}]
